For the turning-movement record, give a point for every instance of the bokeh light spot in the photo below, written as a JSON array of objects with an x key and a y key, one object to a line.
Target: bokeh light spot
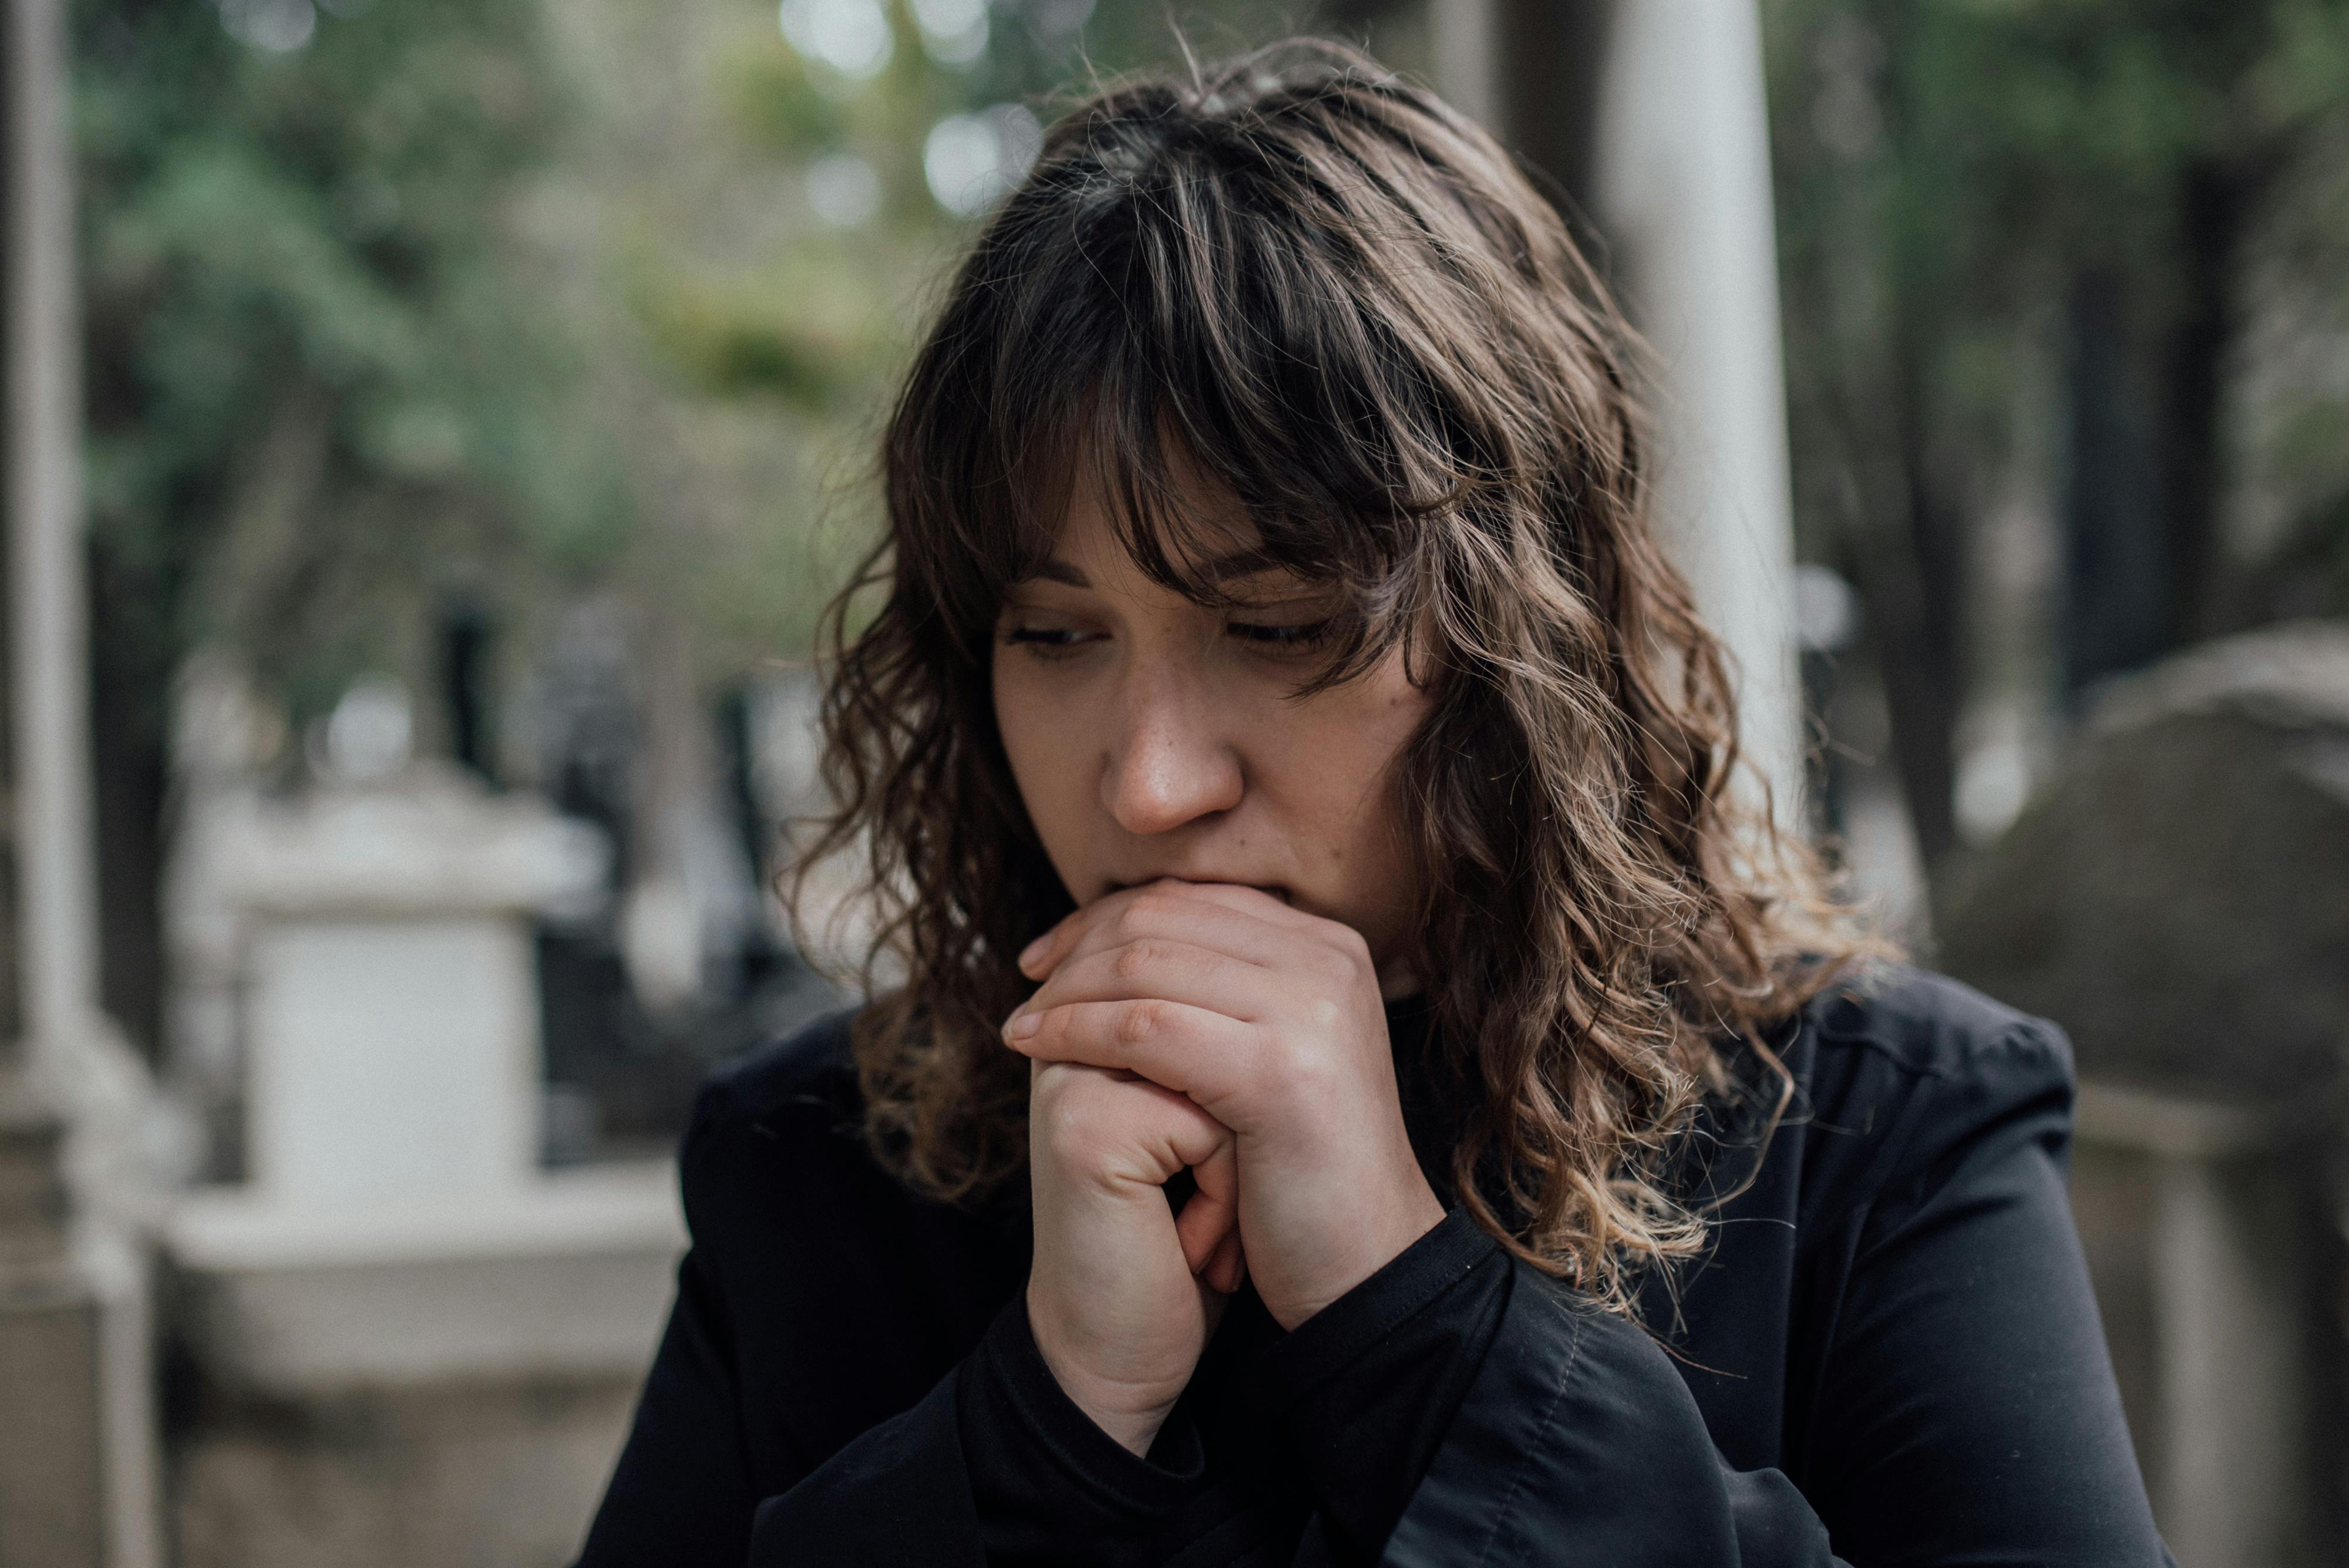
[
  {"x": 851, "y": 36},
  {"x": 971, "y": 159}
]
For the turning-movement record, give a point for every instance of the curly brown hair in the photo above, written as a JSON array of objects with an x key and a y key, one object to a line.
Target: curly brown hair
[{"x": 1313, "y": 282}]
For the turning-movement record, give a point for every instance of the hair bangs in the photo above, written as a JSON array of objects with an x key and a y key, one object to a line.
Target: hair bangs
[{"x": 1218, "y": 447}]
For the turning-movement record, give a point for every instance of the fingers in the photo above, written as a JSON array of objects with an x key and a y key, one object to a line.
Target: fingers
[
  {"x": 1120, "y": 1131},
  {"x": 1245, "y": 922},
  {"x": 1193, "y": 1051},
  {"x": 1166, "y": 968},
  {"x": 1211, "y": 1218},
  {"x": 1228, "y": 1267},
  {"x": 1181, "y": 946}
]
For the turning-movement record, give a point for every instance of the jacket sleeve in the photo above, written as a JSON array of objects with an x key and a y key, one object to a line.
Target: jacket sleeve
[
  {"x": 1967, "y": 1415},
  {"x": 898, "y": 1496},
  {"x": 1578, "y": 1443}
]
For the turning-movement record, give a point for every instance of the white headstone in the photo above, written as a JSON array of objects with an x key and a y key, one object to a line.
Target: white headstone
[{"x": 392, "y": 1051}]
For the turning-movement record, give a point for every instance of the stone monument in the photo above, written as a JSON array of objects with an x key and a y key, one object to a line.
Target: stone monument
[
  {"x": 2177, "y": 897},
  {"x": 394, "y": 1262}
]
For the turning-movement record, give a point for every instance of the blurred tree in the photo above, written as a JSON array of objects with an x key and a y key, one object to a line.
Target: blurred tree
[
  {"x": 1989, "y": 206},
  {"x": 317, "y": 387},
  {"x": 894, "y": 124},
  {"x": 505, "y": 305}
]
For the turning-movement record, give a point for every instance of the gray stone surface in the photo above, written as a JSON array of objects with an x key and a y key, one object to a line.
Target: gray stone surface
[
  {"x": 2177, "y": 896},
  {"x": 2214, "y": 1308},
  {"x": 34, "y": 1200},
  {"x": 441, "y": 1383},
  {"x": 53, "y": 1501},
  {"x": 459, "y": 1475}
]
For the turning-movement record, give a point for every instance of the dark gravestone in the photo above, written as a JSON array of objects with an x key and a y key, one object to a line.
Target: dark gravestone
[{"x": 2177, "y": 897}]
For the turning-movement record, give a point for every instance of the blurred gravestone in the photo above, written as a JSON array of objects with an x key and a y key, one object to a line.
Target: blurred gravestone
[
  {"x": 2177, "y": 897},
  {"x": 401, "y": 1340}
]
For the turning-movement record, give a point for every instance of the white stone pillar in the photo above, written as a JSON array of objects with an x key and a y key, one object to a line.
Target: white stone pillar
[
  {"x": 1683, "y": 191},
  {"x": 48, "y": 613},
  {"x": 1681, "y": 188},
  {"x": 77, "y": 1325}
]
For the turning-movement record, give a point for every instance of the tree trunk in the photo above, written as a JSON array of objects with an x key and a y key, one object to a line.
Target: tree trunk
[
  {"x": 1912, "y": 562},
  {"x": 1553, "y": 56},
  {"x": 131, "y": 672},
  {"x": 2215, "y": 203},
  {"x": 2117, "y": 559}
]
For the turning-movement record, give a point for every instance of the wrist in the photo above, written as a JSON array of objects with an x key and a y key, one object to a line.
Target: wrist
[
  {"x": 1401, "y": 1225},
  {"x": 1129, "y": 1415}
]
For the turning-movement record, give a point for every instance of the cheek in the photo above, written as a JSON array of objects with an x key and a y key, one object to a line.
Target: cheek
[
  {"x": 1019, "y": 721},
  {"x": 1037, "y": 743},
  {"x": 1352, "y": 762}
]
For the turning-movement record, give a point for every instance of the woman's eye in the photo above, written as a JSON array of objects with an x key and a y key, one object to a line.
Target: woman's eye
[
  {"x": 1048, "y": 641},
  {"x": 1282, "y": 638}
]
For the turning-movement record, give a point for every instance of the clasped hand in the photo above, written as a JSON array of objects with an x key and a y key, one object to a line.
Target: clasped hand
[{"x": 1213, "y": 1027}]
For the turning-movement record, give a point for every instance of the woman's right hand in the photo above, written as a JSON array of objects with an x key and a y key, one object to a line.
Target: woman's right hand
[{"x": 1123, "y": 1295}]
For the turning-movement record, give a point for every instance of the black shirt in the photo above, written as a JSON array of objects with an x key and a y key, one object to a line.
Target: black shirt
[{"x": 1888, "y": 1354}]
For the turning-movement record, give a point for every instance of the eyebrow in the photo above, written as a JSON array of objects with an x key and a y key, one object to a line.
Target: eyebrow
[{"x": 1239, "y": 564}]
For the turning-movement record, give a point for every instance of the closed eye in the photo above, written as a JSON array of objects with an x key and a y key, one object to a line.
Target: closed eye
[
  {"x": 1046, "y": 642},
  {"x": 1308, "y": 635}
]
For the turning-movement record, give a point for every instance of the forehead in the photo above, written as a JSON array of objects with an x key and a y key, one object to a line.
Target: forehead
[
  {"x": 1112, "y": 524},
  {"x": 1216, "y": 549}
]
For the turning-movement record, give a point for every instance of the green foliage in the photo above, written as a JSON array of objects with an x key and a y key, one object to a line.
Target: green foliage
[
  {"x": 468, "y": 291},
  {"x": 317, "y": 385},
  {"x": 808, "y": 328},
  {"x": 1947, "y": 168},
  {"x": 2051, "y": 250}
]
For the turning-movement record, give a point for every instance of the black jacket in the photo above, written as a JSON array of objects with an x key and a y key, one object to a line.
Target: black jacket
[{"x": 1889, "y": 1354}]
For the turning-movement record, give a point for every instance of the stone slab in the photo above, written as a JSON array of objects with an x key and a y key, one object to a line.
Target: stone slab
[
  {"x": 572, "y": 1278},
  {"x": 391, "y": 1058}
]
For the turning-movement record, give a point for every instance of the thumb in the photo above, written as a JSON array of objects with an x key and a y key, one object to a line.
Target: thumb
[{"x": 1212, "y": 1213}]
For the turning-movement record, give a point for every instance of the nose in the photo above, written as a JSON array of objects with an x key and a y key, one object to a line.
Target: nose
[{"x": 1168, "y": 763}]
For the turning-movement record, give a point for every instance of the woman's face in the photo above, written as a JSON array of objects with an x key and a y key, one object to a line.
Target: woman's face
[{"x": 1154, "y": 737}]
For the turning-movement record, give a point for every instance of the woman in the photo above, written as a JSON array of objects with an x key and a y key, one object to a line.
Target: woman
[{"x": 1367, "y": 1085}]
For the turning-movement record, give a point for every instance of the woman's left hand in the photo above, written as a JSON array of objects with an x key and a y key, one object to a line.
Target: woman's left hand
[{"x": 1270, "y": 1020}]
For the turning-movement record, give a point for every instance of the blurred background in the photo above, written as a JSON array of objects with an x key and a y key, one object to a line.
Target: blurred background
[{"x": 432, "y": 429}]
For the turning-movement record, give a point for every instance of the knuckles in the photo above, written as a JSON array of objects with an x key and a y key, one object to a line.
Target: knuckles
[
  {"x": 1146, "y": 912},
  {"x": 1136, "y": 959},
  {"x": 1337, "y": 963},
  {"x": 1138, "y": 1020},
  {"x": 1098, "y": 1124},
  {"x": 1354, "y": 950},
  {"x": 1076, "y": 1121}
]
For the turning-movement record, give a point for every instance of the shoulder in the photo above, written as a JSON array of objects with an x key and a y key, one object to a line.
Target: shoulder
[
  {"x": 1904, "y": 1077},
  {"x": 1891, "y": 1017},
  {"x": 811, "y": 1071},
  {"x": 842, "y": 1294},
  {"x": 787, "y": 1118}
]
